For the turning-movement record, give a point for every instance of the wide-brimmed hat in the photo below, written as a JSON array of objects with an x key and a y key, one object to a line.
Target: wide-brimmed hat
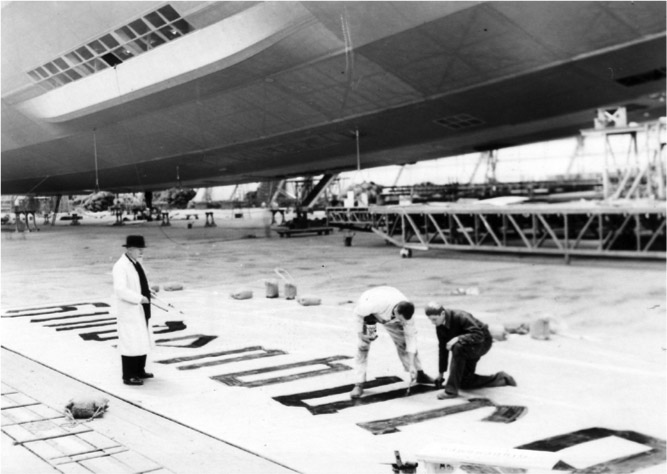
[{"x": 136, "y": 241}]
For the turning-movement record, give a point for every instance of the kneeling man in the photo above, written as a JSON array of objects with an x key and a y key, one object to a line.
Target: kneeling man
[{"x": 468, "y": 339}]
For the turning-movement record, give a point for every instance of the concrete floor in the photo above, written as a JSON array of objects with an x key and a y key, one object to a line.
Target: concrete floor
[{"x": 604, "y": 369}]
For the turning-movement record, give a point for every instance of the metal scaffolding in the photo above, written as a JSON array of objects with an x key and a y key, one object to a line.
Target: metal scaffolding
[
  {"x": 589, "y": 229},
  {"x": 350, "y": 217},
  {"x": 628, "y": 222},
  {"x": 639, "y": 171}
]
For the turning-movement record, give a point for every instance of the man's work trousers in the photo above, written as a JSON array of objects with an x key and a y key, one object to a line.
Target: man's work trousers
[
  {"x": 133, "y": 366},
  {"x": 462, "y": 368},
  {"x": 398, "y": 336}
]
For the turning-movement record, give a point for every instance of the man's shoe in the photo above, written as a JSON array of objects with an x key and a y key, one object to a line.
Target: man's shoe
[
  {"x": 422, "y": 377},
  {"x": 356, "y": 392},
  {"x": 146, "y": 375},
  {"x": 133, "y": 381},
  {"x": 446, "y": 395}
]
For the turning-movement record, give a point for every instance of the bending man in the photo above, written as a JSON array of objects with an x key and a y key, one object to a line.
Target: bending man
[
  {"x": 389, "y": 307},
  {"x": 468, "y": 339}
]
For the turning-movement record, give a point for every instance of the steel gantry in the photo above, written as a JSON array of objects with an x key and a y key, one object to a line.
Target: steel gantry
[
  {"x": 628, "y": 222},
  {"x": 350, "y": 218},
  {"x": 591, "y": 229},
  {"x": 635, "y": 230}
]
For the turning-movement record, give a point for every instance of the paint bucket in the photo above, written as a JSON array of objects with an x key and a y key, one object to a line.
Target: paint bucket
[
  {"x": 371, "y": 330},
  {"x": 271, "y": 288},
  {"x": 370, "y": 327},
  {"x": 290, "y": 286},
  {"x": 290, "y": 291},
  {"x": 539, "y": 329}
]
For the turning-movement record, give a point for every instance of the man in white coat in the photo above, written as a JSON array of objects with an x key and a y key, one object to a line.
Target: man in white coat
[
  {"x": 389, "y": 307},
  {"x": 132, "y": 308}
]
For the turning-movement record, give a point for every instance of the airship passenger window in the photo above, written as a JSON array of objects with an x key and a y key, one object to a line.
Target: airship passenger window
[
  {"x": 169, "y": 13},
  {"x": 154, "y": 19},
  {"x": 113, "y": 48}
]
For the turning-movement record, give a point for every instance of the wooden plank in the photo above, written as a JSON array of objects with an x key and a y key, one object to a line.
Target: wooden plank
[{"x": 17, "y": 415}]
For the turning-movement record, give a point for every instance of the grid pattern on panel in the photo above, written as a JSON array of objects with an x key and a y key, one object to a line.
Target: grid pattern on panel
[
  {"x": 115, "y": 47},
  {"x": 457, "y": 122}
]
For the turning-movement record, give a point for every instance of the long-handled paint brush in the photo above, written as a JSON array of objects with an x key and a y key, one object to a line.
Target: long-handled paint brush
[
  {"x": 154, "y": 297},
  {"x": 159, "y": 307}
]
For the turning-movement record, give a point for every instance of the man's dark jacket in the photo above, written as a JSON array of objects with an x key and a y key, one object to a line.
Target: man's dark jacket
[{"x": 472, "y": 334}]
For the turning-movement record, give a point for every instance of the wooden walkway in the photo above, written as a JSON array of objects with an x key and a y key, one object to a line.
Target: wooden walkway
[{"x": 126, "y": 440}]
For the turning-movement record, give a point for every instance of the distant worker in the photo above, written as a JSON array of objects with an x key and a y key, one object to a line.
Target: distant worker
[
  {"x": 132, "y": 308},
  {"x": 267, "y": 217},
  {"x": 389, "y": 307},
  {"x": 468, "y": 339}
]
